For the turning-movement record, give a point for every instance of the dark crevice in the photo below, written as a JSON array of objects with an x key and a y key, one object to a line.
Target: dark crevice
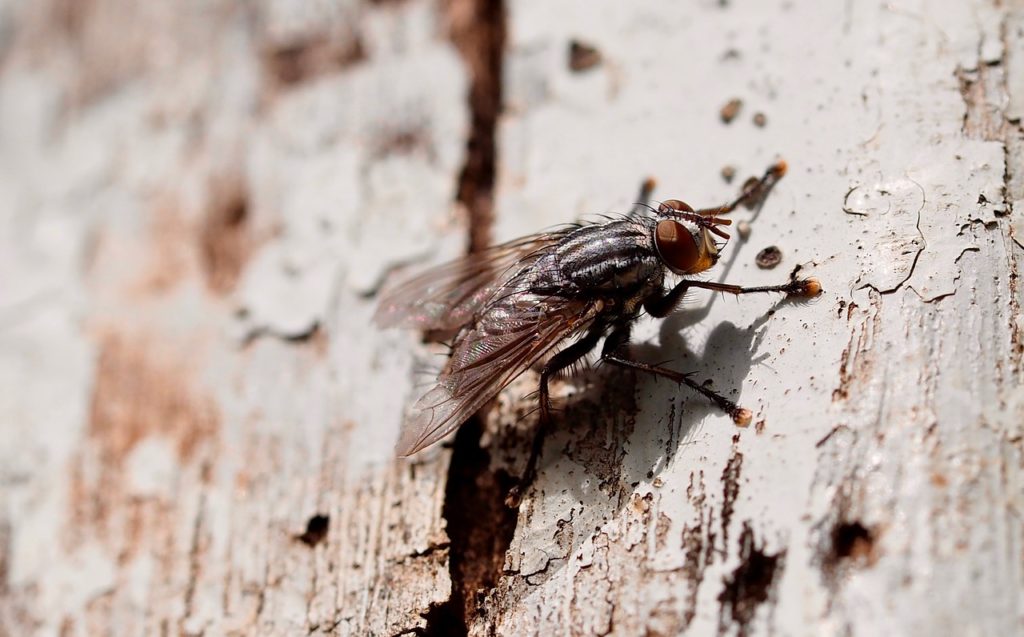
[
  {"x": 480, "y": 529},
  {"x": 583, "y": 56},
  {"x": 852, "y": 539},
  {"x": 479, "y": 525},
  {"x": 845, "y": 542},
  {"x": 477, "y": 28},
  {"x": 316, "y": 530}
]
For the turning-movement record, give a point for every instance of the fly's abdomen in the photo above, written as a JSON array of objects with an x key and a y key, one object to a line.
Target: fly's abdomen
[{"x": 612, "y": 256}]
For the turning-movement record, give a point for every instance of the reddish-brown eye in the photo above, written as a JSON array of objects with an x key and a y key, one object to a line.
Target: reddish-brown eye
[
  {"x": 676, "y": 246},
  {"x": 674, "y": 204}
]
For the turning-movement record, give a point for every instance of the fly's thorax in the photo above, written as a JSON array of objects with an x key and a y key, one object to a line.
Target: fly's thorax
[{"x": 618, "y": 255}]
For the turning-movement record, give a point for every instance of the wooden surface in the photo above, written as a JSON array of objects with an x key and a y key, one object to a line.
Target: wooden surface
[{"x": 199, "y": 201}]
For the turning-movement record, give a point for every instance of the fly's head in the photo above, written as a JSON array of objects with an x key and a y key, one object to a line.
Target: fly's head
[{"x": 683, "y": 238}]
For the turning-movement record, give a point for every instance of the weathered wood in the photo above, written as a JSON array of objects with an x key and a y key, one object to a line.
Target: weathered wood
[
  {"x": 198, "y": 416},
  {"x": 200, "y": 200}
]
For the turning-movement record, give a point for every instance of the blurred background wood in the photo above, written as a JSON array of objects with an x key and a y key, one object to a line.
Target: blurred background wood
[{"x": 199, "y": 201}]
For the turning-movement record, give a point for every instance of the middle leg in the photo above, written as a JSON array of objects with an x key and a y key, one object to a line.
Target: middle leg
[
  {"x": 560, "y": 361},
  {"x": 612, "y": 353}
]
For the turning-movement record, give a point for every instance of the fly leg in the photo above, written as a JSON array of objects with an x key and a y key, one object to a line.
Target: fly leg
[
  {"x": 739, "y": 415},
  {"x": 613, "y": 345},
  {"x": 796, "y": 287},
  {"x": 753, "y": 191},
  {"x": 660, "y": 307},
  {"x": 555, "y": 364}
]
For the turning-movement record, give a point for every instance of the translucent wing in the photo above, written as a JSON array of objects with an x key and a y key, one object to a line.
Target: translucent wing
[
  {"x": 513, "y": 333},
  {"x": 447, "y": 296}
]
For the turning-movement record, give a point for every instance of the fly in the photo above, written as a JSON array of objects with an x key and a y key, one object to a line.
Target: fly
[{"x": 546, "y": 300}]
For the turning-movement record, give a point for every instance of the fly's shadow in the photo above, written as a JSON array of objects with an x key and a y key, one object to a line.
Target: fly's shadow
[{"x": 618, "y": 428}]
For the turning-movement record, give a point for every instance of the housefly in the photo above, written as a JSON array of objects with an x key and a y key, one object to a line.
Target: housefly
[{"x": 546, "y": 300}]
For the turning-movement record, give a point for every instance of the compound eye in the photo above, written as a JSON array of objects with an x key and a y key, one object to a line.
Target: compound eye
[
  {"x": 676, "y": 246},
  {"x": 674, "y": 205}
]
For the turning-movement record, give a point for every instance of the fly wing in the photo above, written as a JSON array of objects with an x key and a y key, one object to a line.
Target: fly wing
[
  {"x": 512, "y": 335},
  {"x": 447, "y": 296}
]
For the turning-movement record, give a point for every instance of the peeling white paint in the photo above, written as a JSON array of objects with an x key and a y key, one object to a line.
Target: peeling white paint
[{"x": 863, "y": 103}]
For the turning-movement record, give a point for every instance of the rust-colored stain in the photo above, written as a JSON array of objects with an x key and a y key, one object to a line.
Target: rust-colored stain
[
  {"x": 583, "y": 56},
  {"x": 845, "y": 542},
  {"x": 403, "y": 139},
  {"x": 698, "y": 542},
  {"x": 169, "y": 260},
  {"x": 139, "y": 393},
  {"x": 751, "y": 584},
  {"x": 857, "y": 361},
  {"x": 292, "y": 63},
  {"x": 225, "y": 241},
  {"x": 111, "y": 42},
  {"x": 85, "y": 26},
  {"x": 142, "y": 389},
  {"x": 854, "y": 543},
  {"x": 730, "y": 490}
]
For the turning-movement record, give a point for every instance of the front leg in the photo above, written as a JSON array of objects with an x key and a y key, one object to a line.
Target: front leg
[
  {"x": 662, "y": 306},
  {"x": 796, "y": 287}
]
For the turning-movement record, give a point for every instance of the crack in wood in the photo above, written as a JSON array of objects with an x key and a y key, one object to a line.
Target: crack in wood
[
  {"x": 478, "y": 29},
  {"x": 986, "y": 92},
  {"x": 480, "y": 528},
  {"x": 846, "y": 542},
  {"x": 195, "y": 551},
  {"x": 479, "y": 525}
]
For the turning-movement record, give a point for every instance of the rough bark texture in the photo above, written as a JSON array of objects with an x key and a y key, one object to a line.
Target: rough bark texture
[{"x": 200, "y": 199}]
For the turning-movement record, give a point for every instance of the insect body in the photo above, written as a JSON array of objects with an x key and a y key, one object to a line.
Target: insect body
[{"x": 548, "y": 299}]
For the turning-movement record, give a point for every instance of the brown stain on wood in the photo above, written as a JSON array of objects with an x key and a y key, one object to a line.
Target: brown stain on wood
[
  {"x": 169, "y": 260},
  {"x": 855, "y": 542},
  {"x": 111, "y": 43},
  {"x": 583, "y": 56},
  {"x": 84, "y": 26},
  {"x": 857, "y": 362},
  {"x": 730, "y": 490},
  {"x": 225, "y": 241},
  {"x": 845, "y": 542},
  {"x": 291, "y": 63},
  {"x": 141, "y": 392},
  {"x": 698, "y": 542},
  {"x": 750, "y": 585},
  {"x": 142, "y": 389}
]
